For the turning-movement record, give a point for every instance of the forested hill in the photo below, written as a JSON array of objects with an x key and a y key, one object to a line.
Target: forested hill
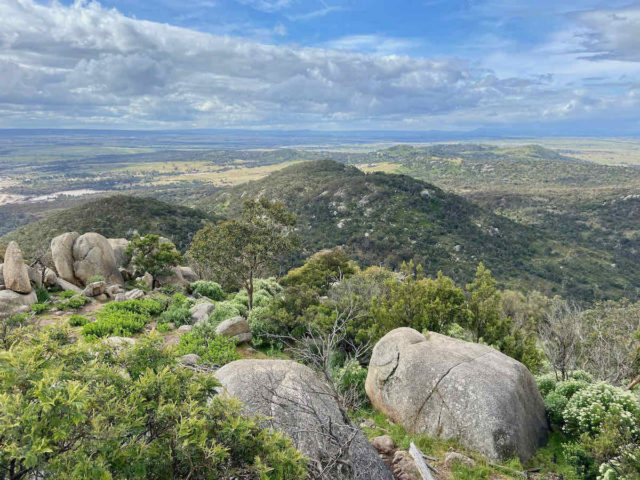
[
  {"x": 386, "y": 219},
  {"x": 116, "y": 216}
]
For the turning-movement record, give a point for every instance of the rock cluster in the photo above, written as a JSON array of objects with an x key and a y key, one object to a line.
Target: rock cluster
[{"x": 16, "y": 293}]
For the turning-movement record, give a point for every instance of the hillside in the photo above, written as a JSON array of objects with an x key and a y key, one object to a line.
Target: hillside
[
  {"x": 386, "y": 219},
  {"x": 115, "y": 216}
]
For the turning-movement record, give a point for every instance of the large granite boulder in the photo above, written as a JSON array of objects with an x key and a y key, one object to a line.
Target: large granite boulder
[
  {"x": 188, "y": 274},
  {"x": 237, "y": 328},
  {"x": 174, "y": 278},
  {"x": 11, "y": 301},
  {"x": 93, "y": 255},
  {"x": 62, "y": 254},
  {"x": 296, "y": 403},
  {"x": 200, "y": 312},
  {"x": 119, "y": 246},
  {"x": 15, "y": 271},
  {"x": 449, "y": 388}
]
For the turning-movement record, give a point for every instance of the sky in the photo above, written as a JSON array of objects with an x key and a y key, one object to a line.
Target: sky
[{"x": 560, "y": 67}]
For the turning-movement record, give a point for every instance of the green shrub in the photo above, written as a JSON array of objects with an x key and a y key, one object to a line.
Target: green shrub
[
  {"x": 95, "y": 278},
  {"x": 181, "y": 300},
  {"x": 164, "y": 327},
  {"x": 116, "y": 323},
  {"x": 176, "y": 315},
  {"x": 71, "y": 413},
  {"x": 78, "y": 320},
  {"x": 77, "y": 302},
  {"x": 42, "y": 294},
  {"x": 598, "y": 403},
  {"x": 223, "y": 311},
  {"x": 171, "y": 289},
  {"x": 211, "y": 290},
  {"x": 213, "y": 349},
  {"x": 143, "y": 306},
  {"x": 67, "y": 294},
  {"x": 39, "y": 308},
  {"x": 350, "y": 380}
]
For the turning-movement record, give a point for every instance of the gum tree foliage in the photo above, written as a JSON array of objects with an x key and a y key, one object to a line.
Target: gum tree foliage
[
  {"x": 238, "y": 251},
  {"x": 73, "y": 412},
  {"x": 150, "y": 254}
]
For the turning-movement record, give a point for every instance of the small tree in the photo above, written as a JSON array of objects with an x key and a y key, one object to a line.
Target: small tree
[
  {"x": 560, "y": 335},
  {"x": 240, "y": 250},
  {"x": 151, "y": 254},
  {"x": 484, "y": 304}
]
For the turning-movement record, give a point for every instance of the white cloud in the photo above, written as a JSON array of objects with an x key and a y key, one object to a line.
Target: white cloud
[
  {"x": 611, "y": 34},
  {"x": 87, "y": 64},
  {"x": 267, "y": 5}
]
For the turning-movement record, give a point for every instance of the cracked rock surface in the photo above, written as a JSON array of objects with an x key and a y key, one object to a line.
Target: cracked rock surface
[
  {"x": 297, "y": 403},
  {"x": 448, "y": 388}
]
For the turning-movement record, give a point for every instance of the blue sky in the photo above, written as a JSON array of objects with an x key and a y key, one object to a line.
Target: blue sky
[{"x": 322, "y": 64}]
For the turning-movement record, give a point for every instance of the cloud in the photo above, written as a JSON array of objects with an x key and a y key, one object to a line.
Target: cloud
[
  {"x": 269, "y": 6},
  {"x": 373, "y": 44},
  {"x": 611, "y": 34},
  {"x": 322, "y": 12},
  {"x": 85, "y": 64}
]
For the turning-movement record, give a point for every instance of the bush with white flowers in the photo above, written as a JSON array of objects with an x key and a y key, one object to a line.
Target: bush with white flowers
[{"x": 598, "y": 403}]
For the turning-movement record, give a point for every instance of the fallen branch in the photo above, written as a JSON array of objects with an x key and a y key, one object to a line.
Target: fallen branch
[
  {"x": 633, "y": 383},
  {"x": 421, "y": 464}
]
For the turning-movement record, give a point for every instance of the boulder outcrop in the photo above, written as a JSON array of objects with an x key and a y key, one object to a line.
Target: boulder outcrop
[
  {"x": 15, "y": 271},
  {"x": 237, "y": 328},
  {"x": 119, "y": 247},
  {"x": 93, "y": 255},
  {"x": 200, "y": 311},
  {"x": 11, "y": 301},
  {"x": 449, "y": 388},
  {"x": 294, "y": 399},
  {"x": 62, "y": 254}
]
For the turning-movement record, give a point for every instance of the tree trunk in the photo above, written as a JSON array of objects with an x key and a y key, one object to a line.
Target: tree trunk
[{"x": 250, "y": 291}]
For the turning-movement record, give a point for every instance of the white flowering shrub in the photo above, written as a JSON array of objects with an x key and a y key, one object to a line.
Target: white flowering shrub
[
  {"x": 625, "y": 466},
  {"x": 589, "y": 408}
]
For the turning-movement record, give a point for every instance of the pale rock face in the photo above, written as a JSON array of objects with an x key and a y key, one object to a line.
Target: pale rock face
[
  {"x": 95, "y": 289},
  {"x": 62, "y": 254},
  {"x": 64, "y": 285},
  {"x": 15, "y": 271},
  {"x": 119, "y": 246},
  {"x": 175, "y": 278},
  {"x": 93, "y": 255},
  {"x": 449, "y": 388},
  {"x": 12, "y": 302},
  {"x": 237, "y": 328},
  {"x": 287, "y": 393},
  {"x": 188, "y": 274},
  {"x": 200, "y": 312}
]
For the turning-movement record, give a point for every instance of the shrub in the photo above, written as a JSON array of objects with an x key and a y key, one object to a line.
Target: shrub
[
  {"x": 598, "y": 403},
  {"x": 143, "y": 306},
  {"x": 113, "y": 322},
  {"x": 76, "y": 302},
  {"x": 78, "y": 320},
  {"x": 67, "y": 294},
  {"x": 95, "y": 278},
  {"x": 213, "y": 349},
  {"x": 211, "y": 290},
  {"x": 42, "y": 294},
  {"x": 176, "y": 315},
  {"x": 349, "y": 381},
  {"x": 164, "y": 327},
  {"x": 39, "y": 308},
  {"x": 171, "y": 289},
  {"x": 72, "y": 413},
  {"x": 223, "y": 311}
]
